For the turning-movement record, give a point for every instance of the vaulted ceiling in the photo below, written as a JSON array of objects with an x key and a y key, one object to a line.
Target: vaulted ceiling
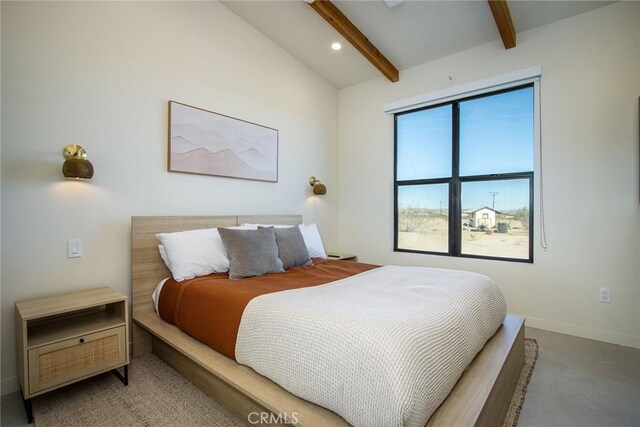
[{"x": 409, "y": 33}]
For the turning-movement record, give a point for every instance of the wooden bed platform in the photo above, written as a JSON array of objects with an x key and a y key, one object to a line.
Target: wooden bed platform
[{"x": 480, "y": 398}]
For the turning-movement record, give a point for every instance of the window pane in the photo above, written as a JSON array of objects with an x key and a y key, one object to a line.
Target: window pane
[
  {"x": 424, "y": 144},
  {"x": 495, "y": 218},
  {"x": 423, "y": 217},
  {"x": 496, "y": 133}
]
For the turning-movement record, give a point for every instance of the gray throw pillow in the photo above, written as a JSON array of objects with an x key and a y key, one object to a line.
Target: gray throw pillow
[
  {"x": 251, "y": 252},
  {"x": 291, "y": 247}
]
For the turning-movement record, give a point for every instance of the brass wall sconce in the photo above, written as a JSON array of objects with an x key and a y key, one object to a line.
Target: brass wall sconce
[
  {"x": 76, "y": 165},
  {"x": 318, "y": 187}
]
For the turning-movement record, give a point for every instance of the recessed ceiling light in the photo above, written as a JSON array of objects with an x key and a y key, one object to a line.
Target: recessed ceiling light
[{"x": 336, "y": 46}]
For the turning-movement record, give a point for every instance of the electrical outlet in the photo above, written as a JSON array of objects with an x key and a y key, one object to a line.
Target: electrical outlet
[{"x": 605, "y": 294}]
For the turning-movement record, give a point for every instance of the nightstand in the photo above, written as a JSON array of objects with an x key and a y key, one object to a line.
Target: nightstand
[
  {"x": 65, "y": 338},
  {"x": 342, "y": 257}
]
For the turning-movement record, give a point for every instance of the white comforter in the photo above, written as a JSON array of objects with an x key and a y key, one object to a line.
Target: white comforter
[{"x": 383, "y": 348}]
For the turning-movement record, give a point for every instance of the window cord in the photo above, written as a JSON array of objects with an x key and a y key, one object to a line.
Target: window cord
[{"x": 543, "y": 233}]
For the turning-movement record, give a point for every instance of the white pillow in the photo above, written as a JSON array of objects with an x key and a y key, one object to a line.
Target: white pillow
[
  {"x": 313, "y": 241},
  {"x": 194, "y": 253}
]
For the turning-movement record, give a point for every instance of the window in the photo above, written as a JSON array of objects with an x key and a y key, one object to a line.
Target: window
[{"x": 464, "y": 177}]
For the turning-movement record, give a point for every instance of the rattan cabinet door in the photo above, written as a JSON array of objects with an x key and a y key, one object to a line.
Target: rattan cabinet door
[{"x": 72, "y": 359}]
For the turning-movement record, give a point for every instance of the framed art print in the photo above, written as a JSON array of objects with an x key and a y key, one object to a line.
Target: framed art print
[{"x": 207, "y": 143}]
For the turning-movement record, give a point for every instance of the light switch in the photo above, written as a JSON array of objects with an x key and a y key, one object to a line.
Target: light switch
[{"x": 75, "y": 248}]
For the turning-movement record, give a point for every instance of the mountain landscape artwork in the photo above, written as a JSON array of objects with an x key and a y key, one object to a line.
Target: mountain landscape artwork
[{"x": 208, "y": 143}]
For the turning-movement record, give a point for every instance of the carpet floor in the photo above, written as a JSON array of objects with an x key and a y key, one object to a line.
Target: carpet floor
[{"x": 159, "y": 396}]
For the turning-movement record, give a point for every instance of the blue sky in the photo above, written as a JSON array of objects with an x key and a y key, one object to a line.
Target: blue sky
[
  {"x": 496, "y": 136},
  {"x": 424, "y": 144},
  {"x": 496, "y": 133}
]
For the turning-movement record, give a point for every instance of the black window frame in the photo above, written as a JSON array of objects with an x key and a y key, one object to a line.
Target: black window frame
[{"x": 455, "y": 182}]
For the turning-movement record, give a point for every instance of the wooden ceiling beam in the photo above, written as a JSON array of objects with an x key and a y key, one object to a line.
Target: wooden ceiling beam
[
  {"x": 344, "y": 26},
  {"x": 501, "y": 15}
]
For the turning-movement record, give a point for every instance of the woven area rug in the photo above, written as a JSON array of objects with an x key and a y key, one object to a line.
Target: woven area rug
[
  {"x": 159, "y": 396},
  {"x": 530, "y": 357}
]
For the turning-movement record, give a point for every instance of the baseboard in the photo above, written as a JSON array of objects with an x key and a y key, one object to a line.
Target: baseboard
[
  {"x": 9, "y": 386},
  {"x": 626, "y": 340}
]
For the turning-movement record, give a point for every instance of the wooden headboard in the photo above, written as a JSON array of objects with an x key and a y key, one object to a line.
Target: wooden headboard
[{"x": 147, "y": 268}]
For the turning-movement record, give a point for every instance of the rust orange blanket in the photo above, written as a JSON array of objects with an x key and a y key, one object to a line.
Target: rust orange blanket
[{"x": 210, "y": 308}]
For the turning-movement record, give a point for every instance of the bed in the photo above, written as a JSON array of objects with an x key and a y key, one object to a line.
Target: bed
[{"x": 480, "y": 397}]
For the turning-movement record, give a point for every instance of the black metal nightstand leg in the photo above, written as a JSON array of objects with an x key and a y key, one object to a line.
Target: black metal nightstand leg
[
  {"x": 124, "y": 378},
  {"x": 29, "y": 410}
]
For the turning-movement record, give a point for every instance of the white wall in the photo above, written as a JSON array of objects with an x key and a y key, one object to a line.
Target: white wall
[
  {"x": 100, "y": 75},
  {"x": 590, "y": 88}
]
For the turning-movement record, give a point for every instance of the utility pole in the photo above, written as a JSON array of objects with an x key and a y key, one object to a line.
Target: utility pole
[{"x": 494, "y": 194}]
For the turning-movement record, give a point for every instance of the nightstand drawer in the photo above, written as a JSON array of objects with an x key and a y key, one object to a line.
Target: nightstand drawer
[{"x": 64, "y": 361}]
